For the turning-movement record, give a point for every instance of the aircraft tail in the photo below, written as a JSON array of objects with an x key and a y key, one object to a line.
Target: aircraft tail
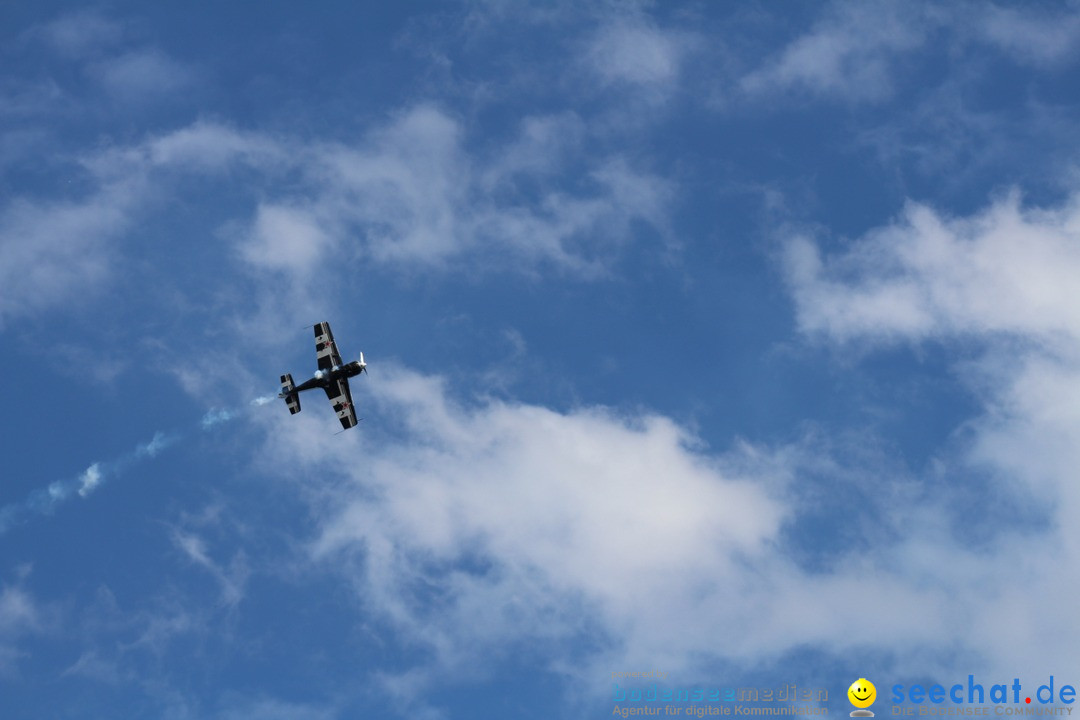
[{"x": 292, "y": 399}]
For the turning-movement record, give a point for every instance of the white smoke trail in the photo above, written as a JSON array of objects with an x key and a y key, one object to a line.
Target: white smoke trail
[
  {"x": 159, "y": 443},
  {"x": 45, "y": 500},
  {"x": 90, "y": 480},
  {"x": 216, "y": 417}
]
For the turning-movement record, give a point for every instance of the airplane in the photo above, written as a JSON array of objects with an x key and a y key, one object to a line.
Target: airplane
[{"x": 332, "y": 376}]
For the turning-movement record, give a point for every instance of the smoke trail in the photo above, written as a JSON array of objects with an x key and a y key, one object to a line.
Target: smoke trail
[
  {"x": 216, "y": 417},
  {"x": 45, "y": 500},
  {"x": 90, "y": 480}
]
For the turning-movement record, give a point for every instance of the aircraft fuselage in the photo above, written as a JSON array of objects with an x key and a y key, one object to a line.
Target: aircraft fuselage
[
  {"x": 332, "y": 376},
  {"x": 326, "y": 378}
]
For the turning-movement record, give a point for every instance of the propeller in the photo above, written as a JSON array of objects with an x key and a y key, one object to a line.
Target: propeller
[{"x": 363, "y": 365}]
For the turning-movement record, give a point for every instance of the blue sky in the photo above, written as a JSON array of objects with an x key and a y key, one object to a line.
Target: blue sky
[{"x": 735, "y": 341}]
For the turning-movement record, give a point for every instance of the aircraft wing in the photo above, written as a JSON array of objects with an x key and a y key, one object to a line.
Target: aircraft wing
[
  {"x": 341, "y": 399},
  {"x": 325, "y": 347}
]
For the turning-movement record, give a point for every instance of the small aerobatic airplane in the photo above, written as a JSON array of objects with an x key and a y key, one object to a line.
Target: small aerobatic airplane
[{"x": 332, "y": 376}]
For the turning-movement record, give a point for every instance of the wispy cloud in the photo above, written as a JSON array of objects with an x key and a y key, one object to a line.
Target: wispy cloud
[
  {"x": 111, "y": 55},
  {"x": 20, "y": 615},
  {"x": 530, "y": 524},
  {"x": 849, "y": 53},
  {"x": 411, "y": 195},
  {"x": 1002, "y": 281},
  {"x": 1038, "y": 35},
  {"x": 1004, "y": 270},
  {"x": 52, "y": 252},
  {"x": 631, "y": 49},
  {"x": 231, "y": 579},
  {"x": 81, "y": 34},
  {"x": 860, "y": 51},
  {"x": 141, "y": 76},
  {"x": 270, "y": 708}
]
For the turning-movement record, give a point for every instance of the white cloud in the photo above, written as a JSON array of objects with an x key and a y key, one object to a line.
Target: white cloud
[
  {"x": 20, "y": 99},
  {"x": 141, "y": 76},
  {"x": 406, "y": 189},
  {"x": 59, "y": 247},
  {"x": 1004, "y": 278},
  {"x": 544, "y": 145},
  {"x": 565, "y": 513},
  {"x": 1031, "y": 35},
  {"x": 231, "y": 579},
  {"x": 19, "y": 615},
  {"x": 533, "y": 526},
  {"x": 17, "y": 610},
  {"x": 285, "y": 239},
  {"x": 856, "y": 50},
  {"x": 1004, "y": 270},
  {"x": 210, "y": 147},
  {"x": 55, "y": 252},
  {"x": 125, "y": 643},
  {"x": 109, "y": 55},
  {"x": 476, "y": 530},
  {"x": 631, "y": 50},
  {"x": 93, "y": 666},
  {"x": 80, "y": 34},
  {"x": 269, "y": 708},
  {"x": 411, "y": 194},
  {"x": 850, "y": 52}
]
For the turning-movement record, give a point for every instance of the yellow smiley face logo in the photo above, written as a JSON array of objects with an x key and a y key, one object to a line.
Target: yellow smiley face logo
[{"x": 862, "y": 693}]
